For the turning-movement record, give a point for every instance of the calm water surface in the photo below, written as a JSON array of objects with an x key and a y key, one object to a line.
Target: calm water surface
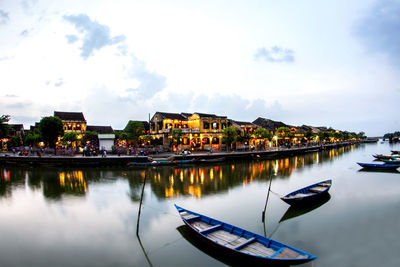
[{"x": 87, "y": 217}]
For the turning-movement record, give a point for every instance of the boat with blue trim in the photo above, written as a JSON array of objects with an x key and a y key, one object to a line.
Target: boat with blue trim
[{"x": 245, "y": 245}]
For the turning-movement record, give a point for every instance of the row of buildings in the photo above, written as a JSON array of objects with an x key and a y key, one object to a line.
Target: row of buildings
[{"x": 199, "y": 131}]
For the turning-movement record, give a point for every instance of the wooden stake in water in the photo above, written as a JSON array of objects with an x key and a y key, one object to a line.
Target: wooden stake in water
[
  {"x": 266, "y": 202},
  {"x": 140, "y": 205}
]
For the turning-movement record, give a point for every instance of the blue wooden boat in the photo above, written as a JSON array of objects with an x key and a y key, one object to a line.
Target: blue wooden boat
[
  {"x": 241, "y": 243},
  {"x": 379, "y": 166},
  {"x": 308, "y": 194}
]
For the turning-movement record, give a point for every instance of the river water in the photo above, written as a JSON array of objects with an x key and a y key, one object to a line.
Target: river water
[{"x": 88, "y": 217}]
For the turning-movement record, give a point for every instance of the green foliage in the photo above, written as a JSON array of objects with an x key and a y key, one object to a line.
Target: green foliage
[
  {"x": 284, "y": 132},
  {"x": 69, "y": 137},
  {"x": 15, "y": 141},
  {"x": 309, "y": 135},
  {"x": 32, "y": 138},
  {"x": 324, "y": 136},
  {"x": 229, "y": 136},
  {"x": 261, "y": 133},
  {"x": 89, "y": 136},
  {"x": 133, "y": 130},
  {"x": 176, "y": 136},
  {"x": 50, "y": 129},
  {"x": 4, "y": 127}
]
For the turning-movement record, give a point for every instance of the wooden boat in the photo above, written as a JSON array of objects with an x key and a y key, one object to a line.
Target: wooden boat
[
  {"x": 379, "y": 166},
  {"x": 210, "y": 161},
  {"x": 395, "y": 152},
  {"x": 241, "y": 243},
  {"x": 391, "y": 161},
  {"x": 308, "y": 194},
  {"x": 380, "y": 156},
  {"x": 161, "y": 163}
]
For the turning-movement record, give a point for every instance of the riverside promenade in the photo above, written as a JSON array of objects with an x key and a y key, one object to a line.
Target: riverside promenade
[{"x": 123, "y": 160}]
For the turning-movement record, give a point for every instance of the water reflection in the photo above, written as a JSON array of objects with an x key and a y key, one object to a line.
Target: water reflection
[
  {"x": 295, "y": 211},
  {"x": 165, "y": 182}
]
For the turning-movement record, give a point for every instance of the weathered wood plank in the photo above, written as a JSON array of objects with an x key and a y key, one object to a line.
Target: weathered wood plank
[{"x": 288, "y": 253}]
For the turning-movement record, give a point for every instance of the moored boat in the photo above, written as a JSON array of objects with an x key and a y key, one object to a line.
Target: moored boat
[
  {"x": 391, "y": 161},
  {"x": 241, "y": 243},
  {"x": 379, "y": 166},
  {"x": 381, "y": 156},
  {"x": 161, "y": 163},
  {"x": 308, "y": 193}
]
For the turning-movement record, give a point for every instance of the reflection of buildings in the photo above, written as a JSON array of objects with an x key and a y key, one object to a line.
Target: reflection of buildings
[
  {"x": 73, "y": 182},
  {"x": 166, "y": 182},
  {"x": 200, "y": 181}
]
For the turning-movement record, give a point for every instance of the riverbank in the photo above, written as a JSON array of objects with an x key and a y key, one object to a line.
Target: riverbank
[{"x": 115, "y": 160}]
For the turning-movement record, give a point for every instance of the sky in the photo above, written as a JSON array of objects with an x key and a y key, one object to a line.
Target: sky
[{"x": 312, "y": 62}]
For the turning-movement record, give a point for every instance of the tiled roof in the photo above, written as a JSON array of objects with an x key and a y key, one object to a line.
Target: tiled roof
[
  {"x": 173, "y": 116},
  {"x": 269, "y": 124},
  {"x": 70, "y": 116},
  {"x": 244, "y": 123},
  {"x": 205, "y": 115},
  {"x": 100, "y": 129}
]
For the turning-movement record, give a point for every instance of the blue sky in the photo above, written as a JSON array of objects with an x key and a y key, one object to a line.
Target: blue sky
[{"x": 320, "y": 63}]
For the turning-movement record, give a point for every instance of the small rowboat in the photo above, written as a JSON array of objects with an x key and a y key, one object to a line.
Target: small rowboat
[
  {"x": 391, "y": 161},
  {"x": 379, "y": 166},
  {"x": 308, "y": 194},
  {"x": 240, "y": 243},
  {"x": 380, "y": 156},
  {"x": 161, "y": 163}
]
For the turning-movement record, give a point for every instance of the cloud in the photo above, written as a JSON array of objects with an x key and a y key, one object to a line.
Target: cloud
[
  {"x": 274, "y": 54},
  {"x": 24, "y": 33},
  {"x": 379, "y": 29},
  {"x": 95, "y": 35},
  {"x": 4, "y": 18},
  {"x": 72, "y": 38},
  {"x": 150, "y": 82}
]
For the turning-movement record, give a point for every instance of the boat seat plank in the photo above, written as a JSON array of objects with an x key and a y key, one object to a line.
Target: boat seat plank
[
  {"x": 288, "y": 253},
  {"x": 222, "y": 237},
  {"x": 210, "y": 229},
  {"x": 189, "y": 217},
  {"x": 324, "y": 184},
  {"x": 243, "y": 243},
  {"x": 257, "y": 249},
  {"x": 317, "y": 189},
  {"x": 200, "y": 225}
]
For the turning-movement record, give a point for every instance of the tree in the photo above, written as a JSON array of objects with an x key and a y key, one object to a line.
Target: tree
[
  {"x": 134, "y": 129},
  {"x": 176, "y": 136},
  {"x": 69, "y": 137},
  {"x": 229, "y": 136},
  {"x": 50, "y": 129},
  {"x": 89, "y": 136},
  {"x": 261, "y": 133},
  {"x": 32, "y": 139},
  {"x": 4, "y": 127}
]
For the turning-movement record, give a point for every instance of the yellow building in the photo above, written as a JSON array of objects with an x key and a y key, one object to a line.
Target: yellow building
[
  {"x": 199, "y": 130},
  {"x": 72, "y": 121}
]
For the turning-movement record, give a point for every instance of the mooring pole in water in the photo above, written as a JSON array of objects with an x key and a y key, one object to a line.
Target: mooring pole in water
[
  {"x": 266, "y": 202},
  {"x": 140, "y": 205}
]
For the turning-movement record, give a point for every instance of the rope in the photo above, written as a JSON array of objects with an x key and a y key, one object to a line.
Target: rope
[{"x": 278, "y": 195}]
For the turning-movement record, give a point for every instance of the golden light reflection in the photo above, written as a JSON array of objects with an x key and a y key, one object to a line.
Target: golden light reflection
[
  {"x": 198, "y": 181},
  {"x": 73, "y": 181}
]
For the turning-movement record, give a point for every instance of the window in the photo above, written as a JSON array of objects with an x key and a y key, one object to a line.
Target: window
[
  {"x": 160, "y": 125},
  {"x": 206, "y": 125},
  {"x": 206, "y": 141},
  {"x": 215, "y": 125},
  {"x": 223, "y": 125},
  {"x": 168, "y": 125},
  {"x": 215, "y": 141}
]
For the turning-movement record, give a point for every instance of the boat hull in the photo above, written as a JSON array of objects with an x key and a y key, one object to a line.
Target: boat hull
[
  {"x": 305, "y": 196},
  {"x": 379, "y": 166},
  {"x": 204, "y": 237}
]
